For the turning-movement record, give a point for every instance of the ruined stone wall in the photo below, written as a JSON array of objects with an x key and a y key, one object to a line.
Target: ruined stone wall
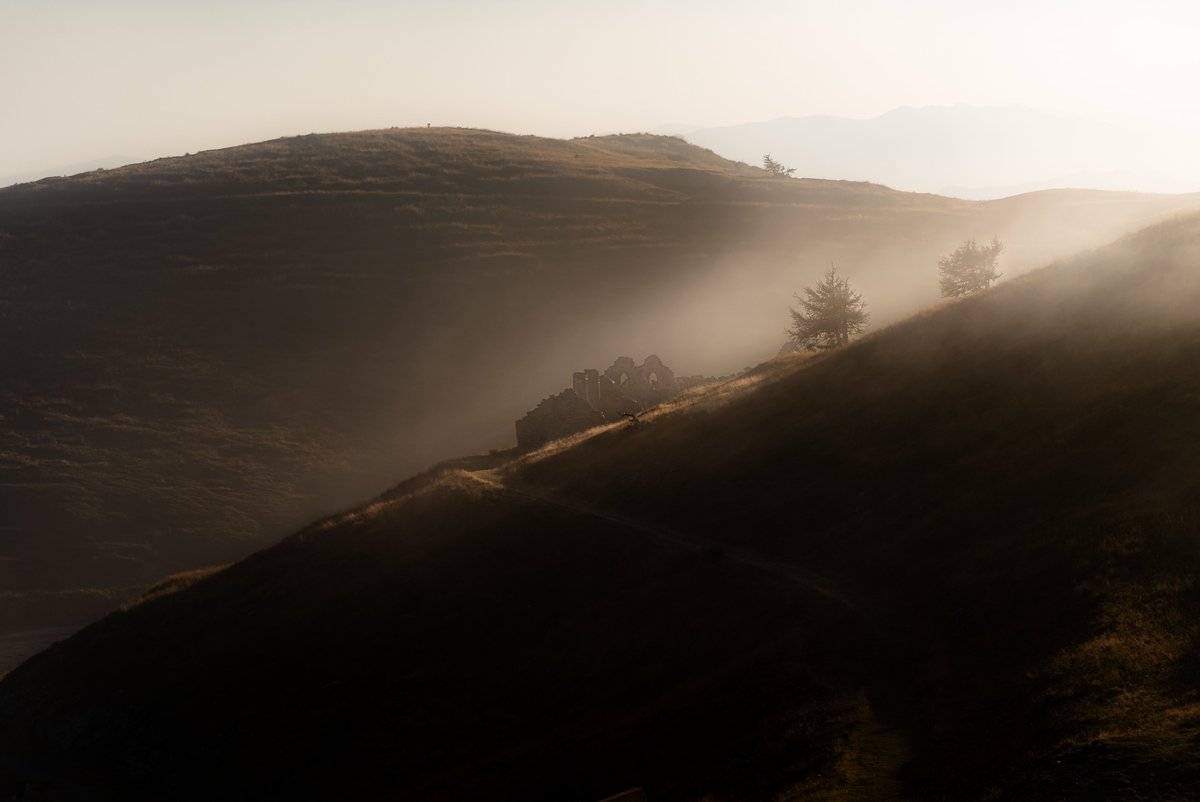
[
  {"x": 591, "y": 378},
  {"x": 649, "y": 383},
  {"x": 557, "y": 416},
  {"x": 613, "y": 403},
  {"x": 625, "y": 388}
]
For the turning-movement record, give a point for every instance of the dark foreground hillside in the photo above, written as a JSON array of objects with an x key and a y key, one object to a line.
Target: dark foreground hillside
[
  {"x": 957, "y": 560},
  {"x": 206, "y": 351}
]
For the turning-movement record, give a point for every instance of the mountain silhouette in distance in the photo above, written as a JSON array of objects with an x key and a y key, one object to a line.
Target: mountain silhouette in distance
[{"x": 978, "y": 152}]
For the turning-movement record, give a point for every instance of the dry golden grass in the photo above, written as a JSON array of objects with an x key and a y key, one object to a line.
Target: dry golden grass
[
  {"x": 173, "y": 584},
  {"x": 219, "y": 347},
  {"x": 1004, "y": 487}
]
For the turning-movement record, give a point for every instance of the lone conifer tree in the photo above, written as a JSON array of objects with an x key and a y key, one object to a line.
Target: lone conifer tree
[
  {"x": 829, "y": 315},
  {"x": 970, "y": 268},
  {"x": 775, "y": 168}
]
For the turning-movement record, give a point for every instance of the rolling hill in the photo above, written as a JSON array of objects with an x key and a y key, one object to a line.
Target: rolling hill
[
  {"x": 965, "y": 151},
  {"x": 207, "y": 351},
  {"x": 955, "y": 560}
]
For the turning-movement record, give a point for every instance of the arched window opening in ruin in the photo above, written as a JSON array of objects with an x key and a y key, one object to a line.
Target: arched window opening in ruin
[
  {"x": 653, "y": 380},
  {"x": 624, "y": 378}
]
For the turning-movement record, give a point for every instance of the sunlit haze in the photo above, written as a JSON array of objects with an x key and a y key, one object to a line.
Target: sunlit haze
[
  {"x": 86, "y": 82},
  {"x": 635, "y": 401}
]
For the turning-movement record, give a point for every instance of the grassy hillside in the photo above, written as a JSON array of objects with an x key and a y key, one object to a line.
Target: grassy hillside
[
  {"x": 214, "y": 348},
  {"x": 955, "y": 560}
]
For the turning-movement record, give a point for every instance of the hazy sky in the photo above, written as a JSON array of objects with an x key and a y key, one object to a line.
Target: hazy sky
[{"x": 139, "y": 79}]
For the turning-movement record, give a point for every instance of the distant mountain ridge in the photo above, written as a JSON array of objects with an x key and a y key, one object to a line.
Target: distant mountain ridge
[
  {"x": 103, "y": 163},
  {"x": 1107, "y": 181},
  {"x": 976, "y": 152}
]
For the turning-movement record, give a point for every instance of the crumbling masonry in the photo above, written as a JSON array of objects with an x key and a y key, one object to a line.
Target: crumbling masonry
[{"x": 595, "y": 398}]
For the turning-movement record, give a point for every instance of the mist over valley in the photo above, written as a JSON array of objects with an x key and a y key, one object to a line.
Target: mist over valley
[
  {"x": 400, "y": 420},
  {"x": 218, "y": 347}
]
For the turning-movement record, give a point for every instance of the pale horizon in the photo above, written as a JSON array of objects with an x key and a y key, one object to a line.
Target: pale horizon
[{"x": 82, "y": 83}]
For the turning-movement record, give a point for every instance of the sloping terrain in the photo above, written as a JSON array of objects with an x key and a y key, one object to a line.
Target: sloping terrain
[
  {"x": 954, "y": 560},
  {"x": 963, "y": 151},
  {"x": 206, "y": 351}
]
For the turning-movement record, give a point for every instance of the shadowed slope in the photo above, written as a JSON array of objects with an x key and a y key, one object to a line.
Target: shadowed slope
[
  {"x": 1014, "y": 478},
  {"x": 217, "y": 347},
  {"x": 1002, "y": 494},
  {"x": 453, "y": 642}
]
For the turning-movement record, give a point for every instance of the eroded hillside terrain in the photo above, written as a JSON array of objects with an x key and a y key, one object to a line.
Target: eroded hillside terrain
[
  {"x": 206, "y": 351},
  {"x": 954, "y": 560}
]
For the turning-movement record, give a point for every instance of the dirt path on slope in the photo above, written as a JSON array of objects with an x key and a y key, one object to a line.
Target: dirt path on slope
[
  {"x": 875, "y": 751},
  {"x": 809, "y": 580}
]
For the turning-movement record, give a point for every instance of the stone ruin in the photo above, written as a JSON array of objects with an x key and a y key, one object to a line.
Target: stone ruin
[
  {"x": 557, "y": 416},
  {"x": 596, "y": 398},
  {"x": 649, "y": 383}
]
